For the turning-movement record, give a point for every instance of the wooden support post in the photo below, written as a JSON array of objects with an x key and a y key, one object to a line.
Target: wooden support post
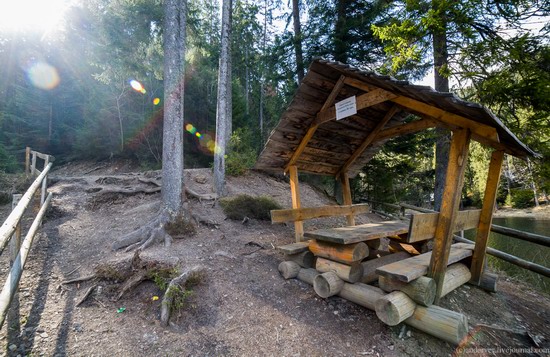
[
  {"x": 346, "y": 192},
  {"x": 484, "y": 226},
  {"x": 27, "y": 162},
  {"x": 454, "y": 179},
  {"x": 295, "y": 190}
]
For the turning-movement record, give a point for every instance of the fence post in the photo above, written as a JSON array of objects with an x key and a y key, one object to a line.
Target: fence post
[
  {"x": 33, "y": 165},
  {"x": 13, "y": 317},
  {"x": 44, "y": 182},
  {"x": 27, "y": 162}
]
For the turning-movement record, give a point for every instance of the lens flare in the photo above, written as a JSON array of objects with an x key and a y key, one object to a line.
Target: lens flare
[
  {"x": 43, "y": 75},
  {"x": 156, "y": 101},
  {"x": 198, "y": 135},
  {"x": 138, "y": 87}
]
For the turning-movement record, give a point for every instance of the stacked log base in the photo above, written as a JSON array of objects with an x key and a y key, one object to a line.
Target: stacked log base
[
  {"x": 370, "y": 266},
  {"x": 327, "y": 284},
  {"x": 394, "y": 308},
  {"x": 349, "y": 273},
  {"x": 434, "y": 320},
  {"x": 421, "y": 290},
  {"x": 304, "y": 259},
  {"x": 346, "y": 254}
]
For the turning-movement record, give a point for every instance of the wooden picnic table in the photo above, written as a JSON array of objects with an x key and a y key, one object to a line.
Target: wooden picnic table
[{"x": 360, "y": 233}]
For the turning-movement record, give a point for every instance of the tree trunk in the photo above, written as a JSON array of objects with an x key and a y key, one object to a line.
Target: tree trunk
[
  {"x": 341, "y": 42},
  {"x": 298, "y": 40},
  {"x": 223, "y": 114},
  {"x": 441, "y": 83},
  {"x": 172, "y": 149}
]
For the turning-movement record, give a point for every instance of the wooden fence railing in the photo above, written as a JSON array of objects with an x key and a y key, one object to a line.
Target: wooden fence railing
[
  {"x": 11, "y": 228},
  {"x": 525, "y": 236}
]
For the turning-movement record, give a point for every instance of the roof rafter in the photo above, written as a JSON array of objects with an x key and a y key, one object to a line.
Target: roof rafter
[
  {"x": 313, "y": 127},
  {"x": 368, "y": 140},
  {"x": 488, "y": 133}
]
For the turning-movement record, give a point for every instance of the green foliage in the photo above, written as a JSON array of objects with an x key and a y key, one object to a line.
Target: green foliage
[
  {"x": 8, "y": 163},
  {"x": 241, "y": 155},
  {"x": 241, "y": 206},
  {"x": 522, "y": 198}
]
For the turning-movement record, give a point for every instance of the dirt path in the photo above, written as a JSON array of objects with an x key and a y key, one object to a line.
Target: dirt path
[{"x": 242, "y": 307}]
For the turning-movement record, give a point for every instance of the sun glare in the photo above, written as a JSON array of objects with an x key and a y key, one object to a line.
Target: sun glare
[{"x": 31, "y": 15}]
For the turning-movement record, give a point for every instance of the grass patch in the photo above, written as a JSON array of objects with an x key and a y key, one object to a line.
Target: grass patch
[
  {"x": 241, "y": 206},
  {"x": 180, "y": 227}
]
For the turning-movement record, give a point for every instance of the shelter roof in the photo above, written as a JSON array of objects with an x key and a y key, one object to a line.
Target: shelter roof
[{"x": 309, "y": 136}]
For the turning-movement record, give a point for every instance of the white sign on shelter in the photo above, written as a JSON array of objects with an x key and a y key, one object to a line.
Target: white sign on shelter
[{"x": 346, "y": 108}]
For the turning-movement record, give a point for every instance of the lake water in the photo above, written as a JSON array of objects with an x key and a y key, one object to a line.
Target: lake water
[{"x": 525, "y": 250}]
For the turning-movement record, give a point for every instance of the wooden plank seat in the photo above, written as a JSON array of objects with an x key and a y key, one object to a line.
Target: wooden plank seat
[
  {"x": 361, "y": 233},
  {"x": 409, "y": 269},
  {"x": 294, "y": 248}
]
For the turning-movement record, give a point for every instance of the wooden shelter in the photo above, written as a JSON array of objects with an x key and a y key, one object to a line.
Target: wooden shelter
[{"x": 309, "y": 138}]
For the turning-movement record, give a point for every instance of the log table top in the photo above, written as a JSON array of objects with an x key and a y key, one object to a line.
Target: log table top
[{"x": 360, "y": 233}]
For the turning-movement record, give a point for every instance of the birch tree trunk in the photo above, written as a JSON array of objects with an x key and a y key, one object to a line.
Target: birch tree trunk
[
  {"x": 223, "y": 112},
  {"x": 172, "y": 149}
]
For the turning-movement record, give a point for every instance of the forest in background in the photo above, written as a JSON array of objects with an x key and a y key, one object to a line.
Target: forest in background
[{"x": 92, "y": 88}]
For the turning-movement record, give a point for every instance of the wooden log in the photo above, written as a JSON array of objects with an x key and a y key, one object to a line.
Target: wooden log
[
  {"x": 488, "y": 282},
  {"x": 304, "y": 259},
  {"x": 455, "y": 276},
  {"x": 374, "y": 244},
  {"x": 12, "y": 281},
  {"x": 512, "y": 259},
  {"x": 361, "y": 294},
  {"x": 289, "y": 269},
  {"x": 375, "y": 254},
  {"x": 294, "y": 248},
  {"x": 421, "y": 290},
  {"x": 327, "y": 284},
  {"x": 529, "y": 237},
  {"x": 370, "y": 266},
  {"x": 394, "y": 308},
  {"x": 346, "y": 195},
  {"x": 447, "y": 325},
  {"x": 349, "y": 273},
  {"x": 303, "y": 214},
  {"x": 10, "y": 224},
  {"x": 307, "y": 275},
  {"x": 347, "y": 254}
]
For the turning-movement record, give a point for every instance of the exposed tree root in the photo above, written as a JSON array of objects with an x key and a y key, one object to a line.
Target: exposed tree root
[
  {"x": 175, "y": 287},
  {"x": 146, "y": 235},
  {"x": 79, "y": 280},
  {"x": 86, "y": 294}
]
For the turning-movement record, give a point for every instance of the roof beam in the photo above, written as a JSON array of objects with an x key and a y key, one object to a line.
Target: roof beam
[
  {"x": 373, "y": 97},
  {"x": 368, "y": 140},
  {"x": 313, "y": 127},
  {"x": 404, "y": 129},
  {"x": 488, "y": 133}
]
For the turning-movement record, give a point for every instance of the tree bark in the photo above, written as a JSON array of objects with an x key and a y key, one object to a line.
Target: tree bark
[
  {"x": 298, "y": 40},
  {"x": 172, "y": 149},
  {"x": 441, "y": 83},
  {"x": 223, "y": 114}
]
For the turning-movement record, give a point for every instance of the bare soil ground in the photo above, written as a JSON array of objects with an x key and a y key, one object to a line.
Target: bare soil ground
[{"x": 242, "y": 306}]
